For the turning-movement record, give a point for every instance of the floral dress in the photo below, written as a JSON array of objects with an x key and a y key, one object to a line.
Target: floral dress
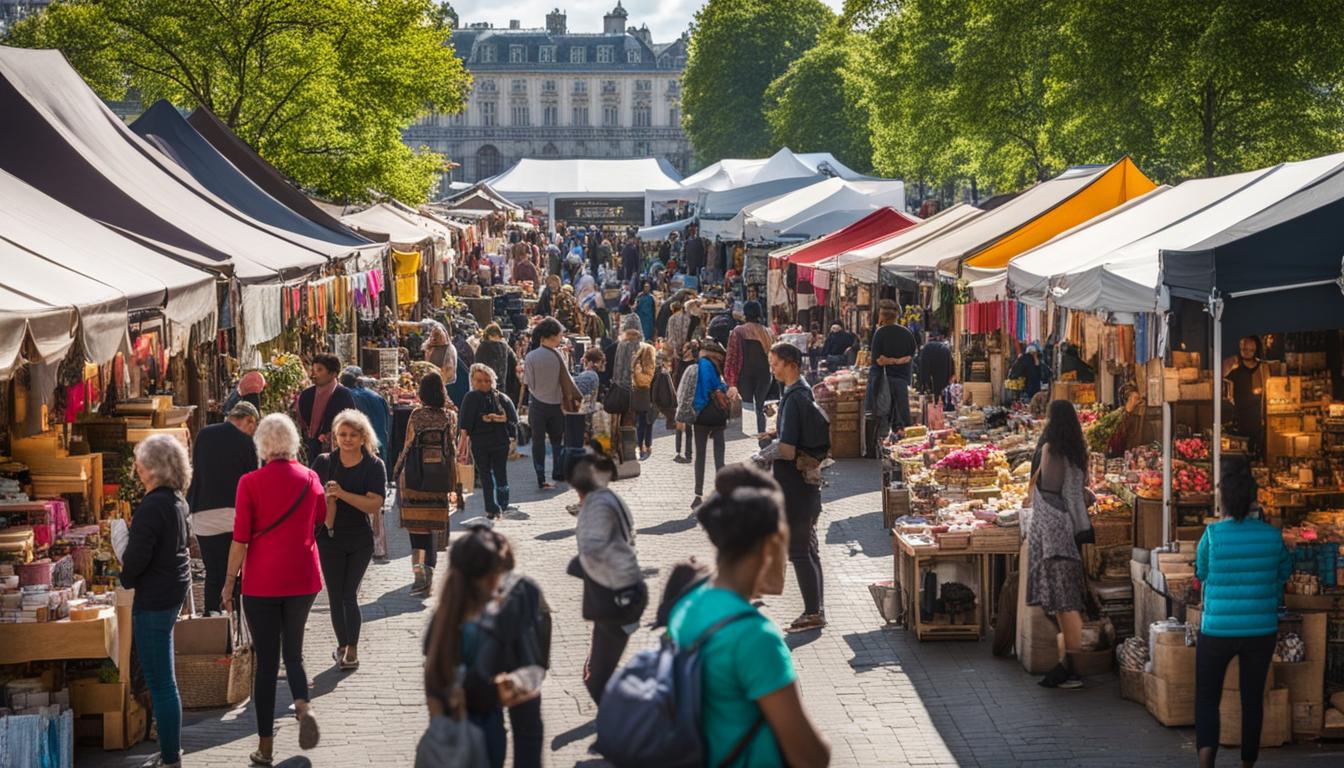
[{"x": 1055, "y": 579}]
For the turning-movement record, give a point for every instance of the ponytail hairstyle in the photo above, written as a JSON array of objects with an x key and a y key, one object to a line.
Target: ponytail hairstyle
[
  {"x": 739, "y": 522},
  {"x": 592, "y": 470},
  {"x": 473, "y": 558}
]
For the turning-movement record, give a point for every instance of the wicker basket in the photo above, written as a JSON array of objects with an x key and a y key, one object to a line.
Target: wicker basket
[
  {"x": 203, "y": 681},
  {"x": 1113, "y": 531},
  {"x": 1131, "y": 685}
]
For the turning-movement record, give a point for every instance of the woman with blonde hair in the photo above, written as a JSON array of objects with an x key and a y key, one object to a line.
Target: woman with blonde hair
[
  {"x": 278, "y": 510},
  {"x": 355, "y": 480},
  {"x": 157, "y": 566}
]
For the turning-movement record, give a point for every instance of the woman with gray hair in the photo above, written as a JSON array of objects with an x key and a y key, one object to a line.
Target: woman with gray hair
[
  {"x": 490, "y": 420},
  {"x": 278, "y": 509},
  {"x": 157, "y": 566}
]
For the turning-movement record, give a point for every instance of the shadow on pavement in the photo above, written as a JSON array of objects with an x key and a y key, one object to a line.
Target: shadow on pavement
[
  {"x": 563, "y": 533},
  {"x": 670, "y": 527},
  {"x": 574, "y": 734}
]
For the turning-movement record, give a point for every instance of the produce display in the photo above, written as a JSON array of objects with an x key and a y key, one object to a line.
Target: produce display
[
  {"x": 1102, "y": 431},
  {"x": 1190, "y": 479},
  {"x": 1192, "y": 449},
  {"x": 967, "y": 459}
]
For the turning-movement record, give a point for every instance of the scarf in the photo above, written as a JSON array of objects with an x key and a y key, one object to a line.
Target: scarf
[{"x": 321, "y": 396}]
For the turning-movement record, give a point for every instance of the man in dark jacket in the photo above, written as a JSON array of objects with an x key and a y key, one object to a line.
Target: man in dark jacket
[
  {"x": 223, "y": 453},
  {"x": 319, "y": 404},
  {"x": 693, "y": 253},
  {"x": 935, "y": 366},
  {"x": 630, "y": 260}
]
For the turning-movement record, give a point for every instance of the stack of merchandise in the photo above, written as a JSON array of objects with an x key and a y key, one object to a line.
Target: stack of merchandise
[
  {"x": 1169, "y": 677},
  {"x": 37, "y": 726}
]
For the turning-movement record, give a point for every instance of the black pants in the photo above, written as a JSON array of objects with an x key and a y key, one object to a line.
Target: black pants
[
  {"x": 425, "y": 542},
  {"x": 702, "y": 435},
  {"x": 528, "y": 734},
  {"x": 1212, "y": 656},
  {"x": 900, "y": 402},
  {"x": 277, "y": 626},
  {"x": 755, "y": 390},
  {"x": 344, "y": 558},
  {"x": 492, "y": 464},
  {"x": 609, "y": 640},
  {"x": 687, "y": 433},
  {"x": 802, "y": 507},
  {"x": 215, "y": 555},
  {"x": 547, "y": 422}
]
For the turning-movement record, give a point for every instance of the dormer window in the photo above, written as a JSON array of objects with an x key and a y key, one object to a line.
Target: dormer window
[
  {"x": 578, "y": 55},
  {"x": 487, "y": 54},
  {"x": 632, "y": 56},
  {"x": 546, "y": 54},
  {"x": 517, "y": 54},
  {"x": 605, "y": 54}
]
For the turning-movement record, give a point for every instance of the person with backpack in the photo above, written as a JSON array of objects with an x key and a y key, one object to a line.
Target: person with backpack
[
  {"x": 703, "y": 404},
  {"x": 722, "y": 690},
  {"x": 279, "y": 508},
  {"x": 491, "y": 421},
  {"x": 748, "y": 366},
  {"x": 804, "y": 441},
  {"x": 430, "y": 434},
  {"x": 614, "y": 593},
  {"x": 549, "y": 387}
]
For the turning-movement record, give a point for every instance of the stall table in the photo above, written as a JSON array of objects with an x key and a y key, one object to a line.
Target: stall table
[{"x": 910, "y": 558}]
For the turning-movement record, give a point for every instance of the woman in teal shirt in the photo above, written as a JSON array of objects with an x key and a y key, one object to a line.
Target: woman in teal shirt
[{"x": 752, "y": 713}]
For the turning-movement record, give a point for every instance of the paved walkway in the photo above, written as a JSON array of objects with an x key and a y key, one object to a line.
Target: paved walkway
[{"x": 882, "y": 698}]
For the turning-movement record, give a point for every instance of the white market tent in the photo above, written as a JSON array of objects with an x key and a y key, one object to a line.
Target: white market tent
[
  {"x": 51, "y": 328},
  {"x": 388, "y": 223},
  {"x": 824, "y": 224},
  {"x": 720, "y": 213},
  {"x": 767, "y": 221},
  {"x": 539, "y": 183},
  {"x": 734, "y": 173},
  {"x": 1128, "y": 278},
  {"x": 862, "y": 263}
]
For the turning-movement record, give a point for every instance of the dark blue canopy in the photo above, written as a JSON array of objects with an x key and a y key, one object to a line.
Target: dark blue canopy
[{"x": 165, "y": 128}]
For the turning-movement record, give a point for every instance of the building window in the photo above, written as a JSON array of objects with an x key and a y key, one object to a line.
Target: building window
[
  {"x": 488, "y": 113},
  {"x": 579, "y": 116},
  {"x": 580, "y": 86},
  {"x": 521, "y": 118},
  {"x": 674, "y": 117},
  {"x": 673, "y": 86},
  {"x": 633, "y": 56},
  {"x": 486, "y": 86},
  {"x": 641, "y": 149},
  {"x": 517, "y": 54},
  {"x": 550, "y": 116},
  {"x": 548, "y": 86},
  {"x": 608, "y": 86},
  {"x": 550, "y": 150},
  {"x": 487, "y": 162},
  {"x": 611, "y": 116},
  {"x": 578, "y": 55},
  {"x": 643, "y": 117},
  {"x": 605, "y": 54},
  {"x": 546, "y": 54},
  {"x": 644, "y": 86},
  {"x": 664, "y": 62},
  {"x": 518, "y": 86},
  {"x": 488, "y": 54}
]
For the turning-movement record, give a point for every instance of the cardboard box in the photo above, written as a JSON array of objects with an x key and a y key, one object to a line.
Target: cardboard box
[
  {"x": 1173, "y": 704},
  {"x": 1308, "y": 717},
  {"x": 1275, "y": 728},
  {"x": 1174, "y": 663},
  {"x": 201, "y": 636},
  {"x": 1184, "y": 359},
  {"x": 1305, "y": 683},
  {"x": 90, "y": 697}
]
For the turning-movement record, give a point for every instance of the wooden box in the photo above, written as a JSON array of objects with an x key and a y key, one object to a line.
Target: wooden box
[
  {"x": 1275, "y": 729},
  {"x": 1173, "y": 704},
  {"x": 380, "y": 362}
]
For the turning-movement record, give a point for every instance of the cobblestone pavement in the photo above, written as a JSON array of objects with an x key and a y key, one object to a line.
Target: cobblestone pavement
[{"x": 880, "y": 697}]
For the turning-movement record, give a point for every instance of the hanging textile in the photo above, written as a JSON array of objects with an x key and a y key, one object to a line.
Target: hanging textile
[
  {"x": 261, "y": 313},
  {"x": 406, "y": 267}
]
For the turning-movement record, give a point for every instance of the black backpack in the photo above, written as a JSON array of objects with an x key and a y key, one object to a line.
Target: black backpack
[{"x": 429, "y": 465}]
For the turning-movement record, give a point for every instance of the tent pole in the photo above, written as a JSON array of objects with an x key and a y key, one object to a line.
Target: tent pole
[
  {"x": 1216, "y": 364},
  {"x": 1166, "y": 471}
]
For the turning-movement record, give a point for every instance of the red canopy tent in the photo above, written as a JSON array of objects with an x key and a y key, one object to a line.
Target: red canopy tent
[{"x": 879, "y": 224}]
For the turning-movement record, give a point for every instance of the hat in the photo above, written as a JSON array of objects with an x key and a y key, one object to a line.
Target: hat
[
  {"x": 251, "y": 383},
  {"x": 710, "y": 345},
  {"x": 242, "y": 410},
  {"x": 631, "y": 322},
  {"x": 350, "y": 375},
  {"x": 752, "y": 311}
]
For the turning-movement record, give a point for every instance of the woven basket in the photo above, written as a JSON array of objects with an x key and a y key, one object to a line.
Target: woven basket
[
  {"x": 1113, "y": 531},
  {"x": 203, "y": 681},
  {"x": 1131, "y": 685}
]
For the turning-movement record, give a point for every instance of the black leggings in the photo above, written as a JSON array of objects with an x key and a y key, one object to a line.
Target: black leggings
[
  {"x": 802, "y": 507},
  {"x": 215, "y": 556},
  {"x": 345, "y": 557},
  {"x": 425, "y": 543},
  {"x": 687, "y": 434},
  {"x": 547, "y": 422},
  {"x": 609, "y": 641},
  {"x": 702, "y": 435},
  {"x": 755, "y": 390},
  {"x": 276, "y": 623},
  {"x": 528, "y": 734},
  {"x": 1212, "y": 656}
]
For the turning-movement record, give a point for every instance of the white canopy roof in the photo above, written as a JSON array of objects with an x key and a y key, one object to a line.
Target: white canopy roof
[
  {"x": 955, "y": 243},
  {"x": 733, "y": 173},
  {"x": 768, "y": 220},
  {"x": 386, "y": 222},
  {"x": 534, "y": 180},
  {"x": 1127, "y": 278},
  {"x": 148, "y": 279},
  {"x": 862, "y": 263},
  {"x": 824, "y": 223}
]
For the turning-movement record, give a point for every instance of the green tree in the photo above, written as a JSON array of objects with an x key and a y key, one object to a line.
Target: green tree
[
  {"x": 322, "y": 88},
  {"x": 739, "y": 47},
  {"x": 817, "y": 105}
]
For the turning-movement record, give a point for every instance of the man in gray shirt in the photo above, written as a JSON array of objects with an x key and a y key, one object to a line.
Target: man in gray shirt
[{"x": 543, "y": 369}]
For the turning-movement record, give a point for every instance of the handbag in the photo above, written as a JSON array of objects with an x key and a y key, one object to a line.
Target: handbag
[
  {"x": 664, "y": 394},
  {"x": 570, "y": 399},
  {"x": 451, "y": 742},
  {"x": 617, "y": 401},
  {"x": 641, "y": 399},
  {"x": 242, "y": 662}
]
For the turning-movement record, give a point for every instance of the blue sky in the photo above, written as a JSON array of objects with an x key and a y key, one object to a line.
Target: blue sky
[{"x": 666, "y": 18}]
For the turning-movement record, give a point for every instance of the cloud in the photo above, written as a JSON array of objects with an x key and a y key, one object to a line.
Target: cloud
[{"x": 666, "y": 18}]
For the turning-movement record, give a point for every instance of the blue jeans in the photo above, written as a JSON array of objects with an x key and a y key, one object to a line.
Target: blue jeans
[
  {"x": 492, "y": 725},
  {"x": 644, "y": 428},
  {"x": 493, "y": 466},
  {"x": 153, "y": 634}
]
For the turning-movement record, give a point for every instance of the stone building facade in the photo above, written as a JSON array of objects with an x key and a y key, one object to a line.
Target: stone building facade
[{"x": 552, "y": 93}]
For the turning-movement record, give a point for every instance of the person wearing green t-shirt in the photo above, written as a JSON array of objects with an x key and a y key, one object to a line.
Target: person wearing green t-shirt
[{"x": 752, "y": 711}]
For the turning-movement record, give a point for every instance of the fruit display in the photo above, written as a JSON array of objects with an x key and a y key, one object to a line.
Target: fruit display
[
  {"x": 1150, "y": 484},
  {"x": 1110, "y": 505},
  {"x": 972, "y": 458},
  {"x": 1102, "y": 430},
  {"x": 1192, "y": 449},
  {"x": 1191, "y": 479}
]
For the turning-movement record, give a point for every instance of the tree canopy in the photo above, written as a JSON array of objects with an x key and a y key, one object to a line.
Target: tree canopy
[
  {"x": 738, "y": 48},
  {"x": 817, "y": 105},
  {"x": 321, "y": 88}
]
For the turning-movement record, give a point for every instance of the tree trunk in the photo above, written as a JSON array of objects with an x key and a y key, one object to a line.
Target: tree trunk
[{"x": 1208, "y": 126}]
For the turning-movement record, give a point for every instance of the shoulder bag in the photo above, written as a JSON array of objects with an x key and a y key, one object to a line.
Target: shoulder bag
[
  {"x": 600, "y": 603},
  {"x": 716, "y": 410},
  {"x": 302, "y": 495},
  {"x": 617, "y": 401},
  {"x": 570, "y": 399}
]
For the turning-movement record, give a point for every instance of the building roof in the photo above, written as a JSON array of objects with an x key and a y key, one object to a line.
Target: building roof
[{"x": 469, "y": 43}]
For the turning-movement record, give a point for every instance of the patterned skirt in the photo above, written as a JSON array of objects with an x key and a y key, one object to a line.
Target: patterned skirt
[{"x": 1055, "y": 579}]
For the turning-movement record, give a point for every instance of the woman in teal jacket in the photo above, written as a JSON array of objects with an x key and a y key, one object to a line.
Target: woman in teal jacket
[{"x": 1242, "y": 566}]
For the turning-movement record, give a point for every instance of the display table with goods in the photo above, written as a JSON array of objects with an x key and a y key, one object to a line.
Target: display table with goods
[{"x": 840, "y": 395}]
